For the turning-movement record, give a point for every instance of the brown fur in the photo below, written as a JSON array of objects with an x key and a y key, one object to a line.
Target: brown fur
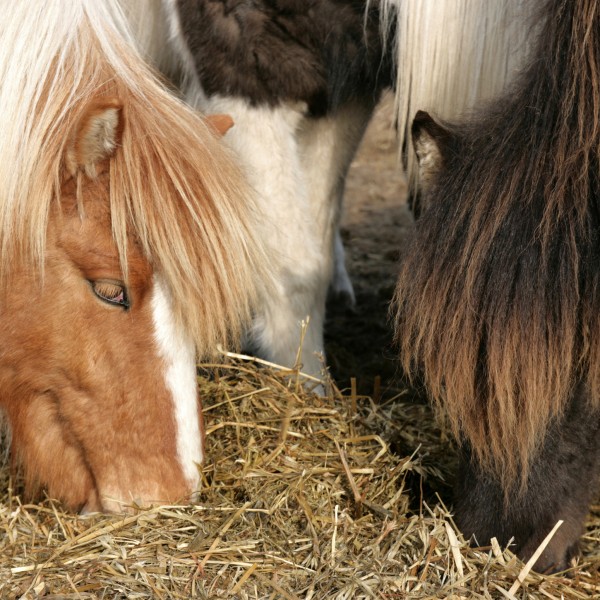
[
  {"x": 322, "y": 52},
  {"x": 83, "y": 399},
  {"x": 194, "y": 222},
  {"x": 95, "y": 136},
  {"x": 498, "y": 303},
  {"x": 221, "y": 124},
  {"x": 563, "y": 479},
  {"x": 106, "y": 175}
]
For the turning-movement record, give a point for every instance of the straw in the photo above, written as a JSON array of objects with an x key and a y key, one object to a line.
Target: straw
[{"x": 303, "y": 497}]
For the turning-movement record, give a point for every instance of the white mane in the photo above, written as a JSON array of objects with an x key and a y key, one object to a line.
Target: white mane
[
  {"x": 45, "y": 64},
  {"x": 454, "y": 54}
]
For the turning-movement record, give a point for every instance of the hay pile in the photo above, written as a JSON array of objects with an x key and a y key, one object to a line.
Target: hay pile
[{"x": 301, "y": 498}]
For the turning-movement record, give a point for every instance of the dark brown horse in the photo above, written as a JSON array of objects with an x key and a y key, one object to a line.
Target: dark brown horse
[{"x": 498, "y": 303}]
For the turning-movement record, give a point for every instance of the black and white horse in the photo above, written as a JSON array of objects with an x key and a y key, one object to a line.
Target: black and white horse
[{"x": 301, "y": 79}]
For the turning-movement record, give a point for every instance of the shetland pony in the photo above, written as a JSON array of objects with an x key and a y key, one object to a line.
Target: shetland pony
[
  {"x": 301, "y": 79},
  {"x": 498, "y": 301},
  {"x": 127, "y": 248}
]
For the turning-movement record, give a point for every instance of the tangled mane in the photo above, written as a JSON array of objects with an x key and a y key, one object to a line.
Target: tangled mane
[
  {"x": 498, "y": 303},
  {"x": 172, "y": 183}
]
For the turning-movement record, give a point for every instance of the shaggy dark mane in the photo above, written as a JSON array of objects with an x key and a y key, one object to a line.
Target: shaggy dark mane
[{"x": 498, "y": 304}]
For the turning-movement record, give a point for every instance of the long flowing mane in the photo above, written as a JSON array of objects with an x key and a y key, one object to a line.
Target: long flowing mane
[
  {"x": 453, "y": 54},
  {"x": 499, "y": 301},
  {"x": 172, "y": 183}
]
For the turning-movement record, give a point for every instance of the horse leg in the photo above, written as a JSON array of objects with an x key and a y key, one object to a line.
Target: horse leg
[
  {"x": 341, "y": 290},
  {"x": 563, "y": 478},
  {"x": 328, "y": 145},
  {"x": 264, "y": 138},
  {"x": 297, "y": 165}
]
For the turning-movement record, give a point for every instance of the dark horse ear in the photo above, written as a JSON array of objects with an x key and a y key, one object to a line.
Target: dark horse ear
[{"x": 431, "y": 142}]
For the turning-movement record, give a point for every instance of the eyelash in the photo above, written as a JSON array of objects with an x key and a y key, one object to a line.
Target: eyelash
[{"x": 111, "y": 292}]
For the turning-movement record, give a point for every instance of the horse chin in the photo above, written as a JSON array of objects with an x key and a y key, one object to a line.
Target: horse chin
[
  {"x": 92, "y": 506},
  {"x": 113, "y": 501}
]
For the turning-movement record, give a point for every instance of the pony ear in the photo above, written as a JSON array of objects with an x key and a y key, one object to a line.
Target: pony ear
[
  {"x": 95, "y": 136},
  {"x": 220, "y": 124},
  {"x": 431, "y": 142}
]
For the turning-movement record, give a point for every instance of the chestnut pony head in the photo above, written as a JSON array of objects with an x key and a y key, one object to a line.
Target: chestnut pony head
[{"x": 127, "y": 249}]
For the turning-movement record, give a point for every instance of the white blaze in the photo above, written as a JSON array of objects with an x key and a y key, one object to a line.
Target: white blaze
[{"x": 178, "y": 352}]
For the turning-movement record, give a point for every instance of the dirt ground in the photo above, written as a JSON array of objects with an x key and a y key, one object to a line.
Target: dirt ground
[{"x": 376, "y": 224}]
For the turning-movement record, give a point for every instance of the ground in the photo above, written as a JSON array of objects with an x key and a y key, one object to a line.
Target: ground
[
  {"x": 376, "y": 223},
  {"x": 376, "y": 226}
]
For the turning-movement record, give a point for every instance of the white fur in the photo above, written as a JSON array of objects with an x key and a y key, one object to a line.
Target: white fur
[
  {"x": 96, "y": 142},
  {"x": 327, "y": 147},
  {"x": 342, "y": 290},
  {"x": 190, "y": 83},
  {"x": 35, "y": 38},
  {"x": 159, "y": 39},
  {"x": 265, "y": 140},
  {"x": 148, "y": 22},
  {"x": 178, "y": 353},
  {"x": 298, "y": 166}
]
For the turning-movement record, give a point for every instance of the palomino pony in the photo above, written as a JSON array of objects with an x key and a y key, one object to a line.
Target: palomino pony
[
  {"x": 499, "y": 299},
  {"x": 301, "y": 79},
  {"x": 128, "y": 247}
]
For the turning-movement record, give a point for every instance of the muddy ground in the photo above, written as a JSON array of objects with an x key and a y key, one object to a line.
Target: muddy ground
[{"x": 376, "y": 224}]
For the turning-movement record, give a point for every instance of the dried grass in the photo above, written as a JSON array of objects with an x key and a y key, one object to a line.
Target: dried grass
[{"x": 301, "y": 497}]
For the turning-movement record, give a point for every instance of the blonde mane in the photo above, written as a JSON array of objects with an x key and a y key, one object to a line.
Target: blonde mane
[{"x": 173, "y": 185}]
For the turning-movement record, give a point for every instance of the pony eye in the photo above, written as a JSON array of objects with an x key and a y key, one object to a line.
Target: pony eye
[{"x": 111, "y": 293}]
